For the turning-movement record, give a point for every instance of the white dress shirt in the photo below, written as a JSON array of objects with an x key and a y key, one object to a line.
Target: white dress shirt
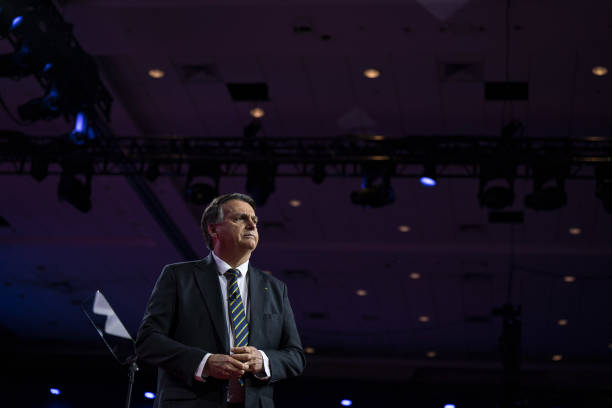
[{"x": 235, "y": 391}]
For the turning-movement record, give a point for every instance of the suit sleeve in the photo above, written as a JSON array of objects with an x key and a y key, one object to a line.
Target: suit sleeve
[
  {"x": 154, "y": 344},
  {"x": 288, "y": 360}
]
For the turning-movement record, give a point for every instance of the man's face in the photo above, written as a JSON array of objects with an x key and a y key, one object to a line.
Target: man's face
[{"x": 238, "y": 230}]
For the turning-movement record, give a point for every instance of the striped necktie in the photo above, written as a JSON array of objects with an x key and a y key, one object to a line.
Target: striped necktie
[{"x": 237, "y": 312}]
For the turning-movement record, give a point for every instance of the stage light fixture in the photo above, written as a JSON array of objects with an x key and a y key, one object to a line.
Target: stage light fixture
[
  {"x": 55, "y": 391},
  {"x": 75, "y": 182},
  {"x": 251, "y": 129},
  {"x": 429, "y": 179},
  {"x": 149, "y": 395},
  {"x": 81, "y": 132},
  {"x": 346, "y": 402},
  {"x": 376, "y": 190},
  {"x": 75, "y": 191},
  {"x": 548, "y": 187},
  {"x": 496, "y": 189},
  {"x": 261, "y": 181},
  {"x": 198, "y": 192},
  {"x": 603, "y": 186},
  {"x": 46, "y": 107},
  {"x": 16, "y": 22},
  {"x": 17, "y": 64}
]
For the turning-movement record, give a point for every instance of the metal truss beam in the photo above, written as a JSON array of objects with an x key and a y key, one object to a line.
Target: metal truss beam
[{"x": 347, "y": 156}]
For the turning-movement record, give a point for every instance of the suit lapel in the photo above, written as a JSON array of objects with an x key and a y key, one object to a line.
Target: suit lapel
[
  {"x": 257, "y": 295},
  {"x": 207, "y": 278}
]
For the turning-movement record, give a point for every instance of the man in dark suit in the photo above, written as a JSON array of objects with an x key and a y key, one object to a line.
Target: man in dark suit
[{"x": 220, "y": 331}]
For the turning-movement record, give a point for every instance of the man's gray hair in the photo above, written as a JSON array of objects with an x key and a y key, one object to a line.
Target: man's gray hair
[{"x": 213, "y": 214}]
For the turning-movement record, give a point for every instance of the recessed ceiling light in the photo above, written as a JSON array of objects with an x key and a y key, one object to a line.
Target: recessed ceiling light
[
  {"x": 423, "y": 319},
  {"x": 562, "y": 322},
  {"x": 599, "y": 70},
  {"x": 557, "y": 357},
  {"x": 156, "y": 73},
  {"x": 404, "y": 228},
  {"x": 575, "y": 231},
  {"x": 309, "y": 350},
  {"x": 361, "y": 292},
  {"x": 257, "y": 112},
  {"x": 569, "y": 279},
  {"x": 415, "y": 275},
  {"x": 371, "y": 73},
  {"x": 295, "y": 203},
  {"x": 431, "y": 354}
]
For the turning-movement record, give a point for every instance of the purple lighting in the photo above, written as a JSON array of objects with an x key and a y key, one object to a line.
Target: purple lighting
[
  {"x": 54, "y": 391},
  {"x": 149, "y": 395}
]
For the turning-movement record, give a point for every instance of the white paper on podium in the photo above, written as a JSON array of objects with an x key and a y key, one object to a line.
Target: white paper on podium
[{"x": 113, "y": 325}]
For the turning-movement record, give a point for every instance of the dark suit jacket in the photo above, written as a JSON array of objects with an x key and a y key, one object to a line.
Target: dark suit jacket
[{"x": 185, "y": 319}]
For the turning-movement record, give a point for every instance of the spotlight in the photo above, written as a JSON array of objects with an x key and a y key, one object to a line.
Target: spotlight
[
  {"x": 198, "y": 192},
  {"x": 75, "y": 191},
  {"x": 376, "y": 190},
  {"x": 346, "y": 402},
  {"x": 250, "y": 131},
  {"x": 55, "y": 391},
  {"x": 500, "y": 172},
  {"x": 260, "y": 181},
  {"x": 549, "y": 187},
  {"x": 82, "y": 132},
  {"x": 603, "y": 186},
  {"x": 44, "y": 108},
  {"x": 149, "y": 395},
  {"x": 428, "y": 179}
]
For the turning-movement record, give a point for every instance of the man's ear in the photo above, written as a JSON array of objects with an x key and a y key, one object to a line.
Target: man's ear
[{"x": 212, "y": 230}]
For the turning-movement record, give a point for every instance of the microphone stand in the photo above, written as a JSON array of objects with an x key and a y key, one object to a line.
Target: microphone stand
[{"x": 131, "y": 373}]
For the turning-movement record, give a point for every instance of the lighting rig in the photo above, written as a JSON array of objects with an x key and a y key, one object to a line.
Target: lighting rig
[
  {"x": 45, "y": 47},
  {"x": 548, "y": 161}
]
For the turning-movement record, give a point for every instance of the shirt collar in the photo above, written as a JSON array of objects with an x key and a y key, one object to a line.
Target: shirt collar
[{"x": 223, "y": 266}]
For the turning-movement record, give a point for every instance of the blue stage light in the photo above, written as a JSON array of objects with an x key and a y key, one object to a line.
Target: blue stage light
[
  {"x": 149, "y": 395},
  {"x": 80, "y": 123},
  {"x": 16, "y": 22},
  {"x": 428, "y": 181},
  {"x": 81, "y": 131},
  {"x": 47, "y": 67},
  {"x": 346, "y": 403},
  {"x": 54, "y": 391},
  {"x": 449, "y": 406}
]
